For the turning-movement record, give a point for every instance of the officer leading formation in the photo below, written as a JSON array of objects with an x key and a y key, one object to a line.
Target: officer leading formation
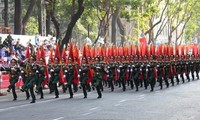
[{"x": 102, "y": 66}]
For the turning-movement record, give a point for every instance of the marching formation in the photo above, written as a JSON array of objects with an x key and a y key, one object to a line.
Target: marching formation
[{"x": 103, "y": 66}]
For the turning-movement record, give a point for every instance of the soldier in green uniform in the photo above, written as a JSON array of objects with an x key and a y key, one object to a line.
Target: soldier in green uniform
[
  {"x": 50, "y": 65},
  {"x": 151, "y": 72},
  {"x": 97, "y": 77},
  {"x": 188, "y": 67},
  {"x": 144, "y": 71},
  {"x": 14, "y": 75},
  {"x": 177, "y": 68},
  {"x": 40, "y": 77},
  {"x": 33, "y": 67},
  {"x": 122, "y": 69},
  {"x": 54, "y": 71},
  {"x": 69, "y": 73},
  {"x": 167, "y": 70},
  {"x": 111, "y": 72},
  {"x": 160, "y": 71},
  {"x": 197, "y": 63},
  {"x": 182, "y": 68},
  {"x": 192, "y": 66},
  {"x": 25, "y": 76},
  {"x": 83, "y": 73},
  {"x": 135, "y": 72}
]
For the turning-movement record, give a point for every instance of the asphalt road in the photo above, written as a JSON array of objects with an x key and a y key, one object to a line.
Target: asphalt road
[{"x": 180, "y": 102}]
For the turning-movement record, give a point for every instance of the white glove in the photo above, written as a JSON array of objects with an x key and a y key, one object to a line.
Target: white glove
[
  {"x": 51, "y": 70},
  {"x": 22, "y": 71},
  {"x": 20, "y": 77},
  {"x": 49, "y": 75},
  {"x": 37, "y": 71},
  {"x": 118, "y": 70},
  {"x": 78, "y": 76},
  {"x": 79, "y": 70},
  {"x": 65, "y": 71},
  {"x": 64, "y": 76}
]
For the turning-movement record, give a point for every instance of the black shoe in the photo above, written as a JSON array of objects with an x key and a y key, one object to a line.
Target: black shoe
[
  {"x": 32, "y": 101},
  {"x": 22, "y": 90},
  {"x": 14, "y": 99},
  {"x": 71, "y": 97},
  {"x": 98, "y": 97},
  {"x": 41, "y": 97},
  {"x": 85, "y": 96},
  {"x": 57, "y": 97},
  {"x": 8, "y": 90},
  {"x": 27, "y": 98}
]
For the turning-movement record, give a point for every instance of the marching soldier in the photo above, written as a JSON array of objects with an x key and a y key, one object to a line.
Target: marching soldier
[
  {"x": 182, "y": 68},
  {"x": 50, "y": 65},
  {"x": 122, "y": 69},
  {"x": 69, "y": 73},
  {"x": 40, "y": 77},
  {"x": 111, "y": 72},
  {"x": 83, "y": 72},
  {"x": 135, "y": 72},
  {"x": 167, "y": 70},
  {"x": 32, "y": 79},
  {"x": 151, "y": 72},
  {"x": 55, "y": 76},
  {"x": 197, "y": 63},
  {"x": 14, "y": 75},
  {"x": 188, "y": 67},
  {"x": 25, "y": 76},
  {"x": 160, "y": 72},
  {"x": 97, "y": 78}
]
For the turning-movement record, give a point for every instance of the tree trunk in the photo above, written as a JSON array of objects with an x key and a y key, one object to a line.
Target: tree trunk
[
  {"x": 18, "y": 17},
  {"x": 114, "y": 21},
  {"x": 121, "y": 29},
  {"x": 72, "y": 23},
  {"x": 39, "y": 17},
  {"x": 28, "y": 14},
  {"x": 56, "y": 24},
  {"x": 48, "y": 24},
  {"x": 55, "y": 20},
  {"x": 6, "y": 13}
]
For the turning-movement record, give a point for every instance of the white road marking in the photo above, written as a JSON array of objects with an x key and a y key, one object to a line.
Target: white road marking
[
  {"x": 58, "y": 118},
  {"x": 45, "y": 101},
  {"x": 117, "y": 105},
  {"x": 94, "y": 108},
  {"x": 3, "y": 100},
  {"x": 122, "y": 101},
  {"x": 87, "y": 113},
  {"x": 142, "y": 95}
]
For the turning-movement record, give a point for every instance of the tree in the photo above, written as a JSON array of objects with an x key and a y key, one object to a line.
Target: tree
[
  {"x": 18, "y": 17},
  {"x": 74, "y": 19},
  {"x": 19, "y": 23},
  {"x": 5, "y": 15},
  {"x": 27, "y": 15}
]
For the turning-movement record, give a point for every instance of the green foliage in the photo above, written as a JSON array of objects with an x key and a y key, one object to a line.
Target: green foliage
[{"x": 32, "y": 26}]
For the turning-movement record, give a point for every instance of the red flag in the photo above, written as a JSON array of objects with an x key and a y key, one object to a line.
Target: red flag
[{"x": 27, "y": 52}]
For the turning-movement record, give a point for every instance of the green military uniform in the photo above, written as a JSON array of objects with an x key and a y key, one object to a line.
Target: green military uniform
[
  {"x": 40, "y": 78},
  {"x": 97, "y": 79},
  {"x": 25, "y": 76},
  {"x": 69, "y": 73},
  {"x": 83, "y": 72},
  {"x": 111, "y": 73},
  {"x": 54, "y": 71},
  {"x": 14, "y": 75}
]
